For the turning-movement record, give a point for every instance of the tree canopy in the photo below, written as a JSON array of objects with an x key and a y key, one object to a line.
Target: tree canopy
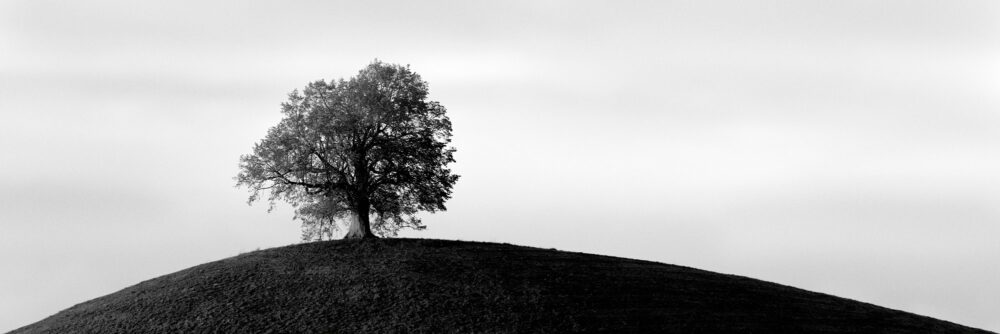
[{"x": 370, "y": 150}]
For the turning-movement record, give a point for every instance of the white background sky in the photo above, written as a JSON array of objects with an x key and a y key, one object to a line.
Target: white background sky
[{"x": 847, "y": 147}]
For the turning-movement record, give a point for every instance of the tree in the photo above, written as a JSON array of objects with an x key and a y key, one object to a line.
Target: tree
[{"x": 371, "y": 150}]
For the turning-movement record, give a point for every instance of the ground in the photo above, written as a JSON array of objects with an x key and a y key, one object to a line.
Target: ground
[{"x": 437, "y": 286}]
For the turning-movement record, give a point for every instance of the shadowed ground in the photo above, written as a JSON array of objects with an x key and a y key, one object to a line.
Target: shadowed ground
[{"x": 415, "y": 285}]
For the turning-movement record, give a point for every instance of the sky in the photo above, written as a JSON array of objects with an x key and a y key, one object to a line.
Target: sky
[{"x": 845, "y": 147}]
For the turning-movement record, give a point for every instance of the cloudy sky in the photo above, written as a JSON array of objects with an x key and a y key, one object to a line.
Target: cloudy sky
[{"x": 848, "y": 147}]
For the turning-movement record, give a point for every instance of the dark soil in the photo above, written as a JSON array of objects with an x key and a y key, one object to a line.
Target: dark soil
[{"x": 436, "y": 286}]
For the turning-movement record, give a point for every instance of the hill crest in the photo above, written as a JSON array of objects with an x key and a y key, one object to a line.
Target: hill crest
[{"x": 421, "y": 285}]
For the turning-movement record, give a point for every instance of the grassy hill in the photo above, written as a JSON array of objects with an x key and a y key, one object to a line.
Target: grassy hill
[{"x": 435, "y": 286}]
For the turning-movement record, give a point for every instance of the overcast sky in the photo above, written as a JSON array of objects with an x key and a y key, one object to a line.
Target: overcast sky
[{"x": 845, "y": 147}]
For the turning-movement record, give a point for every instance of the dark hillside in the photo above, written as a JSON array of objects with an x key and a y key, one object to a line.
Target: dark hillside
[{"x": 434, "y": 286}]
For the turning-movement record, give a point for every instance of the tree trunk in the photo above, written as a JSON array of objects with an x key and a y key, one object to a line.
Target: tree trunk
[{"x": 360, "y": 228}]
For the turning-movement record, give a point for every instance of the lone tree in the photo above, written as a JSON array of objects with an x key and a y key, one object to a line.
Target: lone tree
[{"x": 371, "y": 150}]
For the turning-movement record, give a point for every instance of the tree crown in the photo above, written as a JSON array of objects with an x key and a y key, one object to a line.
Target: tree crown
[{"x": 370, "y": 145}]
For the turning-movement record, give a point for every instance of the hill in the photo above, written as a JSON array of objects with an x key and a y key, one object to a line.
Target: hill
[{"x": 436, "y": 286}]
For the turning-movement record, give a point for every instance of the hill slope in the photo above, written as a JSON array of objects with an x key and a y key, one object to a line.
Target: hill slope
[{"x": 412, "y": 285}]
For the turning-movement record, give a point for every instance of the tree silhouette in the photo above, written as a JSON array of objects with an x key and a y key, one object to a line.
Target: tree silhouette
[{"x": 371, "y": 150}]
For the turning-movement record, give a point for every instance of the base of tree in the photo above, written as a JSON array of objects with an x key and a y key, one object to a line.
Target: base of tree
[
  {"x": 351, "y": 236},
  {"x": 359, "y": 229}
]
